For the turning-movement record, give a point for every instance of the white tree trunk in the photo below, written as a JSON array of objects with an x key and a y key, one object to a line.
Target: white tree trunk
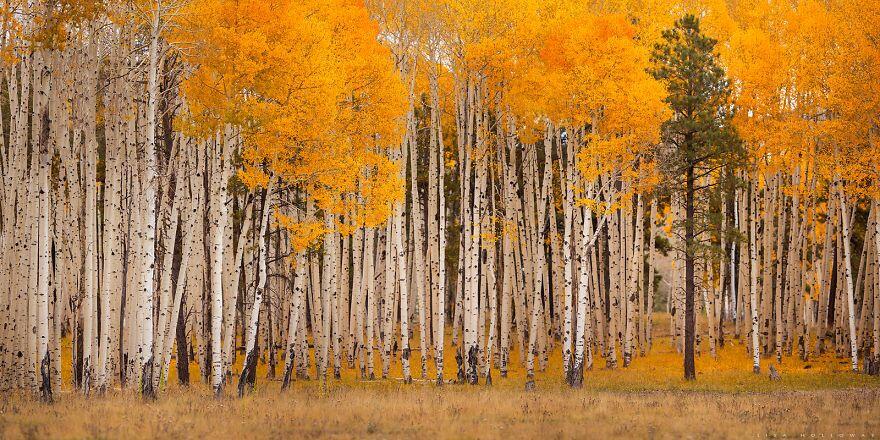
[
  {"x": 847, "y": 270},
  {"x": 250, "y": 362}
]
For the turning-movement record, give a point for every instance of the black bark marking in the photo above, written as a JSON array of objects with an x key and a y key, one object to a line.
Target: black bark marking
[
  {"x": 147, "y": 389},
  {"x": 45, "y": 380}
]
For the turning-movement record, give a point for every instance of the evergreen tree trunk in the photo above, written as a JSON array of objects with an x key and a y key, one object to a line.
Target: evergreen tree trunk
[{"x": 689, "y": 315}]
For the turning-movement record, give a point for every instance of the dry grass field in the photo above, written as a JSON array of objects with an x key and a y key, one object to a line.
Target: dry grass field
[
  {"x": 815, "y": 399},
  {"x": 452, "y": 412}
]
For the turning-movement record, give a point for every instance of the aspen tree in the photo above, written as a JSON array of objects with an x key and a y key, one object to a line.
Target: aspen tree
[
  {"x": 356, "y": 322},
  {"x": 325, "y": 96},
  {"x": 440, "y": 324},
  {"x": 369, "y": 294},
  {"x": 847, "y": 273},
  {"x": 403, "y": 289},
  {"x": 436, "y": 223},
  {"x": 191, "y": 214},
  {"x": 329, "y": 291},
  {"x": 296, "y": 309},
  {"x": 232, "y": 273},
  {"x": 149, "y": 187},
  {"x": 218, "y": 217},
  {"x": 41, "y": 128},
  {"x": 169, "y": 236},
  {"x": 387, "y": 310},
  {"x": 112, "y": 234},
  {"x": 649, "y": 324},
  {"x": 418, "y": 253},
  {"x": 568, "y": 213},
  {"x": 876, "y": 330},
  {"x": 248, "y": 371},
  {"x": 492, "y": 295},
  {"x": 753, "y": 277},
  {"x": 634, "y": 290}
]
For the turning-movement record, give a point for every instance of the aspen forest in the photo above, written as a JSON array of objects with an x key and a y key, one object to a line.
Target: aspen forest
[{"x": 439, "y": 218}]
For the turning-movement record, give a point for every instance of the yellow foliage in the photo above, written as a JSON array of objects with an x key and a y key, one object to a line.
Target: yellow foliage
[
  {"x": 316, "y": 97},
  {"x": 302, "y": 233},
  {"x": 595, "y": 76}
]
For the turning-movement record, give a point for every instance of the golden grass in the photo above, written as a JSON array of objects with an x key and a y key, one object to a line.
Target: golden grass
[
  {"x": 647, "y": 399},
  {"x": 448, "y": 412}
]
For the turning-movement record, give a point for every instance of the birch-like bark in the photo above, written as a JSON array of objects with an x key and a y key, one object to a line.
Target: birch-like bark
[
  {"x": 568, "y": 204},
  {"x": 232, "y": 272},
  {"x": 248, "y": 371},
  {"x": 649, "y": 324},
  {"x": 369, "y": 293},
  {"x": 753, "y": 278},
  {"x": 633, "y": 290},
  {"x": 191, "y": 214},
  {"x": 90, "y": 268},
  {"x": 847, "y": 271},
  {"x": 416, "y": 234},
  {"x": 403, "y": 288},
  {"x": 296, "y": 310},
  {"x": 876, "y": 256},
  {"x": 218, "y": 216},
  {"x": 41, "y": 129},
  {"x": 169, "y": 238}
]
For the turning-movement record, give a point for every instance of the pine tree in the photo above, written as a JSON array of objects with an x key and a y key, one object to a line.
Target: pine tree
[{"x": 698, "y": 139}]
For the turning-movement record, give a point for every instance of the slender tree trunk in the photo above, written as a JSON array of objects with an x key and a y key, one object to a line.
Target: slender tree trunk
[
  {"x": 689, "y": 315},
  {"x": 218, "y": 218},
  {"x": 847, "y": 273},
  {"x": 248, "y": 371},
  {"x": 753, "y": 278},
  {"x": 41, "y": 129}
]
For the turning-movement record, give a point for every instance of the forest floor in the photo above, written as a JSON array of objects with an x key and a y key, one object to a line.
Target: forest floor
[{"x": 819, "y": 398}]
